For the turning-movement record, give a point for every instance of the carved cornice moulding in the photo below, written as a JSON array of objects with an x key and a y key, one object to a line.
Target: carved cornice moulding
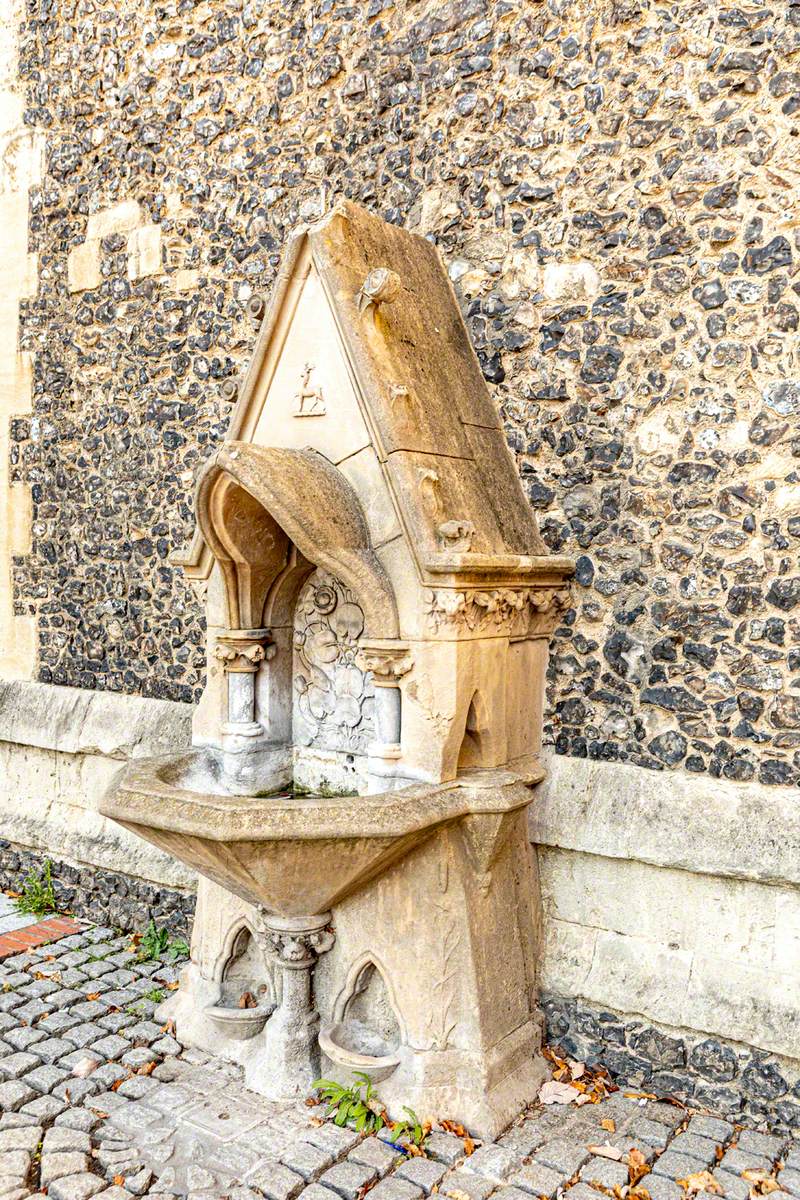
[{"x": 498, "y": 612}]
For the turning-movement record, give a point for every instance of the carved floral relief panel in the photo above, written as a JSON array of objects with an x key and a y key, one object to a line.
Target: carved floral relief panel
[{"x": 333, "y": 698}]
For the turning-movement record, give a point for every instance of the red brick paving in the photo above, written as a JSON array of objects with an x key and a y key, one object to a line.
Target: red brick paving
[{"x": 37, "y": 934}]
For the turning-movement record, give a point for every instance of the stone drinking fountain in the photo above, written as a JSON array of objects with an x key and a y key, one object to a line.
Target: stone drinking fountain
[{"x": 379, "y": 604}]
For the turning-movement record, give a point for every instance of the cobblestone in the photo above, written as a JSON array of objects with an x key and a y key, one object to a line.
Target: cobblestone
[{"x": 191, "y": 1129}]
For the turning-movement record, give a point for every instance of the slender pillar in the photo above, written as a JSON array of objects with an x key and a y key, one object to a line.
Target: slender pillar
[
  {"x": 388, "y": 661},
  {"x": 241, "y": 652},
  {"x": 291, "y": 1048}
]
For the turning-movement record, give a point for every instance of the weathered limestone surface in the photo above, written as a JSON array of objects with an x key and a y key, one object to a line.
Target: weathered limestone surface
[
  {"x": 20, "y": 169},
  {"x": 678, "y": 903},
  {"x": 59, "y": 750}
]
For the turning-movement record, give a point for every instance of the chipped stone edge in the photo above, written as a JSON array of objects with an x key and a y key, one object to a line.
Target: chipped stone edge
[
  {"x": 688, "y": 822},
  {"x": 76, "y": 721}
]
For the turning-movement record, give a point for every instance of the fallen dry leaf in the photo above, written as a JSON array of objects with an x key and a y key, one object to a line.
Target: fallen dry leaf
[
  {"x": 146, "y": 1069},
  {"x": 609, "y": 1125},
  {"x": 577, "y": 1069},
  {"x": 637, "y": 1166},
  {"x": 763, "y": 1183},
  {"x": 85, "y": 1067},
  {"x": 640, "y": 1095},
  {"x": 554, "y": 1092},
  {"x": 173, "y": 987},
  {"x": 92, "y": 995},
  {"x": 606, "y": 1150},
  {"x": 119, "y": 1180},
  {"x": 701, "y": 1181}
]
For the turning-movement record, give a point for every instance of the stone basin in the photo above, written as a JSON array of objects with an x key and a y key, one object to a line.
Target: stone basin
[{"x": 295, "y": 855}]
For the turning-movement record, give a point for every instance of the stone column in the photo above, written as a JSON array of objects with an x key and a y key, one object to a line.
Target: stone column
[
  {"x": 241, "y": 652},
  {"x": 388, "y": 661},
  {"x": 292, "y": 1051}
]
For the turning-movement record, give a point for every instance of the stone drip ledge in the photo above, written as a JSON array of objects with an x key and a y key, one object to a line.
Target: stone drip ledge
[
  {"x": 100, "y": 896},
  {"x": 737, "y": 1081},
  {"x": 669, "y": 819},
  {"x": 78, "y": 721}
]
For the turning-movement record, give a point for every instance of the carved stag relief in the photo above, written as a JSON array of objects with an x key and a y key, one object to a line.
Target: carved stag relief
[
  {"x": 309, "y": 400},
  {"x": 333, "y": 697}
]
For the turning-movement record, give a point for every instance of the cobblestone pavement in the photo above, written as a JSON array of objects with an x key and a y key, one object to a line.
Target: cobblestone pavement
[{"x": 98, "y": 1100}]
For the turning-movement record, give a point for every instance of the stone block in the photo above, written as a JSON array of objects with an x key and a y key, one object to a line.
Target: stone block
[
  {"x": 710, "y": 1127},
  {"x": 118, "y": 218},
  {"x": 605, "y": 1172},
  {"x": 661, "y": 1187},
  {"x": 700, "y": 1148},
  {"x": 45, "y": 1108},
  {"x": 51, "y": 1049},
  {"x": 14, "y": 1094},
  {"x": 423, "y": 1173},
  {"x": 444, "y": 1148},
  {"x": 45, "y": 1078},
  {"x": 278, "y": 1182},
  {"x": 83, "y": 267},
  {"x": 674, "y": 1165},
  {"x": 24, "y": 1137},
  {"x": 644, "y": 1130},
  {"x": 539, "y": 1179},
  {"x": 348, "y": 1178},
  {"x": 466, "y": 1183},
  {"x": 734, "y": 1186},
  {"x": 393, "y": 1188},
  {"x": 308, "y": 1160},
  {"x": 75, "y": 1187},
  {"x": 333, "y": 1138},
  {"x": 144, "y": 252},
  {"x": 561, "y": 1155},
  {"x": 57, "y": 1165},
  {"x": 373, "y": 1152},
  {"x": 492, "y": 1162},
  {"x": 511, "y": 1193},
  {"x": 736, "y": 1161},
  {"x": 750, "y": 1141},
  {"x": 14, "y": 1066},
  {"x": 15, "y": 1163},
  {"x": 62, "y": 1139},
  {"x": 790, "y": 1181}
]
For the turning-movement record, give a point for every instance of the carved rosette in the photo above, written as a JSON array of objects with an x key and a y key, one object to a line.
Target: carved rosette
[
  {"x": 241, "y": 651},
  {"x": 513, "y": 612}
]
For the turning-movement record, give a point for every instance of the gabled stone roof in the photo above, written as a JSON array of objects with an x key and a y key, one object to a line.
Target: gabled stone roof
[{"x": 427, "y": 412}]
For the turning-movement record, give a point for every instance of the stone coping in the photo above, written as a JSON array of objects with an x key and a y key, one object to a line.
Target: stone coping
[
  {"x": 78, "y": 721},
  {"x": 669, "y": 819}
]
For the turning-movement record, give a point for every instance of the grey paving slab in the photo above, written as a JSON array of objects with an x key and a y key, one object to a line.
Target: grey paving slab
[{"x": 10, "y": 919}]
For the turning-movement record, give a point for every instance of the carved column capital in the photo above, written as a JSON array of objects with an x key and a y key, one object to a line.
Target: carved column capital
[
  {"x": 241, "y": 651},
  {"x": 295, "y": 943},
  {"x": 387, "y": 660}
]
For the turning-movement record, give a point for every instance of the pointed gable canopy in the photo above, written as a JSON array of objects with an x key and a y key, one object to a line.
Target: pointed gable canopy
[{"x": 363, "y": 356}]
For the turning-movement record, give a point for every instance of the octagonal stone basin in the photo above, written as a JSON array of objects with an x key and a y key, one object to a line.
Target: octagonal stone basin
[{"x": 294, "y": 854}]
